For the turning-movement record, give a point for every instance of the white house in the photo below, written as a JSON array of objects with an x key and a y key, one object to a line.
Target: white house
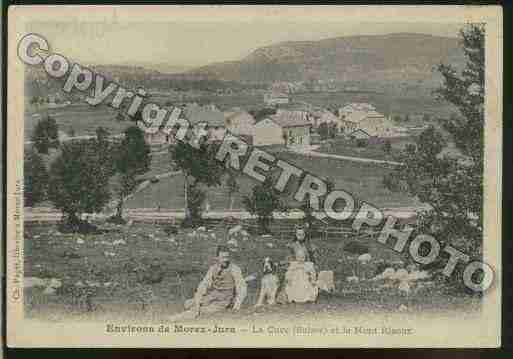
[
  {"x": 211, "y": 120},
  {"x": 284, "y": 128},
  {"x": 207, "y": 119},
  {"x": 157, "y": 138},
  {"x": 360, "y": 134},
  {"x": 239, "y": 122},
  {"x": 373, "y": 123},
  {"x": 354, "y": 107}
]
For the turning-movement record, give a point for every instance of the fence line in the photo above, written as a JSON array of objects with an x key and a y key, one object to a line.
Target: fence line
[{"x": 289, "y": 230}]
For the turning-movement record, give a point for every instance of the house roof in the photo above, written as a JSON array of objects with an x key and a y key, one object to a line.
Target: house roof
[
  {"x": 359, "y": 106},
  {"x": 290, "y": 119},
  {"x": 360, "y": 134},
  {"x": 201, "y": 115},
  {"x": 359, "y": 116},
  {"x": 328, "y": 116},
  {"x": 236, "y": 114}
]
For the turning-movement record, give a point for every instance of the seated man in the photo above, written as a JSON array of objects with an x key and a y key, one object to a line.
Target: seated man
[{"x": 222, "y": 287}]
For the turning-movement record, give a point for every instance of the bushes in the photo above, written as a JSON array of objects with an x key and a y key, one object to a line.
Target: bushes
[
  {"x": 80, "y": 182},
  {"x": 35, "y": 179},
  {"x": 74, "y": 224},
  {"x": 262, "y": 202},
  {"x": 361, "y": 142},
  {"x": 391, "y": 182},
  {"x": 146, "y": 271},
  {"x": 116, "y": 220},
  {"x": 46, "y": 135},
  {"x": 387, "y": 146},
  {"x": 170, "y": 229}
]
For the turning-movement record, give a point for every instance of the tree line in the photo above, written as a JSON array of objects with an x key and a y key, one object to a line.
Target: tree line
[
  {"x": 82, "y": 176},
  {"x": 452, "y": 185}
]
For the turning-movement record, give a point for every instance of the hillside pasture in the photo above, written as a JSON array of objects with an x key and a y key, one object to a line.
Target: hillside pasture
[
  {"x": 364, "y": 180},
  {"x": 373, "y": 150},
  {"x": 107, "y": 264},
  {"x": 83, "y": 118}
]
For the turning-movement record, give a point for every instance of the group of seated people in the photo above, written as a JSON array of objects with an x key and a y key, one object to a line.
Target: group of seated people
[{"x": 224, "y": 286}]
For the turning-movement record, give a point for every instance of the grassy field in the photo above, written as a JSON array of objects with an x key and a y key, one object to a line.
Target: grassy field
[
  {"x": 364, "y": 180},
  {"x": 345, "y": 147},
  {"x": 245, "y": 101},
  {"x": 384, "y": 102},
  {"x": 106, "y": 263},
  {"x": 82, "y": 118}
]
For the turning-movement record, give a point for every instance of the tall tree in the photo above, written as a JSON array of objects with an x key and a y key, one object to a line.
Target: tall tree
[
  {"x": 107, "y": 149},
  {"x": 332, "y": 129},
  {"x": 102, "y": 134},
  {"x": 453, "y": 186},
  {"x": 387, "y": 146},
  {"x": 200, "y": 168},
  {"x": 262, "y": 202},
  {"x": 308, "y": 217},
  {"x": 465, "y": 91},
  {"x": 232, "y": 187},
  {"x": 35, "y": 179},
  {"x": 324, "y": 131},
  {"x": 46, "y": 135},
  {"x": 132, "y": 158},
  {"x": 79, "y": 181}
]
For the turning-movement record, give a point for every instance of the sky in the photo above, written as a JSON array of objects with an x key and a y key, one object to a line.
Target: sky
[{"x": 196, "y": 43}]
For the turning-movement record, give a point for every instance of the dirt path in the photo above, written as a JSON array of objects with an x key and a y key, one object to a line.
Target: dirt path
[{"x": 343, "y": 158}]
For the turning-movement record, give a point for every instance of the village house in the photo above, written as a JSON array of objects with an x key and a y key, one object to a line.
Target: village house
[
  {"x": 275, "y": 98},
  {"x": 158, "y": 138},
  {"x": 281, "y": 87},
  {"x": 286, "y": 87},
  {"x": 324, "y": 116},
  {"x": 296, "y": 113},
  {"x": 354, "y": 107},
  {"x": 360, "y": 134},
  {"x": 239, "y": 122},
  {"x": 205, "y": 118},
  {"x": 372, "y": 123},
  {"x": 288, "y": 128}
]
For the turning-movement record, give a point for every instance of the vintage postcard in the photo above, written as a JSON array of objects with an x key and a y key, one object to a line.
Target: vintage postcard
[{"x": 254, "y": 176}]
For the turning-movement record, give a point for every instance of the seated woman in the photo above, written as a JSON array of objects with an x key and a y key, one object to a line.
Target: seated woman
[{"x": 301, "y": 277}]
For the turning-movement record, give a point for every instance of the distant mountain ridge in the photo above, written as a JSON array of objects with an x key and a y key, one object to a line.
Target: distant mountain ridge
[{"x": 407, "y": 56}]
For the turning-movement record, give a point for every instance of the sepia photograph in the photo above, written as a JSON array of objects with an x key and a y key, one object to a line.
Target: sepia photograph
[{"x": 254, "y": 176}]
